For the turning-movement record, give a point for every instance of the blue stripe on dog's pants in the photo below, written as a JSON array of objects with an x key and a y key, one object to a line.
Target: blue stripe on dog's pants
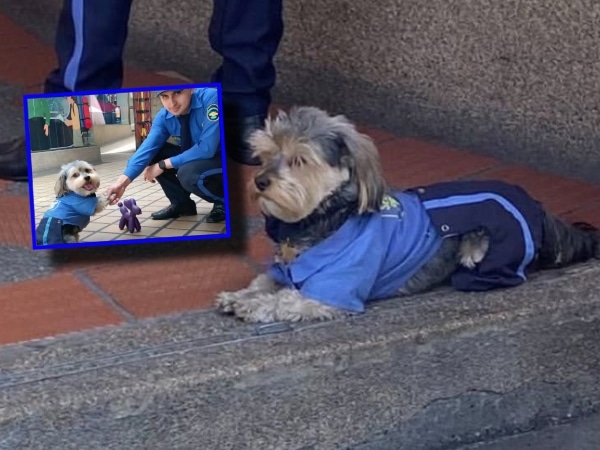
[
  {"x": 201, "y": 186},
  {"x": 72, "y": 69},
  {"x": 476, "y": 198},
  {"x": 46, "y": 230}
]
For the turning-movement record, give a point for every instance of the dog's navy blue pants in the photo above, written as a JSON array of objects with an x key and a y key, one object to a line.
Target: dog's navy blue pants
[
  {"x": 91, "y": 37},
  {"x": 203, "y": 177},
  {"x": 49, "y": 232}
]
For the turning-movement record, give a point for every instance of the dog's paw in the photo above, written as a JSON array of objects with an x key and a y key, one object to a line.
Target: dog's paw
[
  {"x": 71, "y": 238},
  {"x": 467, "y": 261},
  {"x": 473, "y": 248},
  {"x": 259, "y": 309},
  {"x": 102, "y": 203},
  {"x": 225, "y": 301}
]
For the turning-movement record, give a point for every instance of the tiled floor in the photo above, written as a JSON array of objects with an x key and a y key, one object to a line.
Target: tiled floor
[{"x": 148, "y": 196}]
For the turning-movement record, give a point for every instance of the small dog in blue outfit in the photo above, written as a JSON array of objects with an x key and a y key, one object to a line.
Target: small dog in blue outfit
[
  {"x": 344, "y": 238},
  {"x": 76, "y": 201}
]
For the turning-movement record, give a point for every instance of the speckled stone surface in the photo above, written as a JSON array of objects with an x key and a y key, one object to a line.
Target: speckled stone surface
[
  {"x": 580, "y": 434},
  {"x": 512, "y": 79},
  {"x": 11, "y": 119},
  {"x": 20, "y": 263},
  {"x": 438, "y": 370}
]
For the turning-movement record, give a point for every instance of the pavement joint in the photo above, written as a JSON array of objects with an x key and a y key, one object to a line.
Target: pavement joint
[{"x": 104, "y": 296}]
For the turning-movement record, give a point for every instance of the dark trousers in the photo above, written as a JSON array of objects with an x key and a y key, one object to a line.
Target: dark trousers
[
  {"x": 203, "y": 177},
  {"x": 37, "y": 137},
  {"x": 91, "y": 37}
]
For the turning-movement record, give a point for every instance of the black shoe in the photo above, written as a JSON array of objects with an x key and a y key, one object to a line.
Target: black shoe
[
  {"x": 13, "y": 160},
  {"x": 174, "y": 211},
  {"x": 237, "y": 134},
  {"x": 217, "y": 214}
]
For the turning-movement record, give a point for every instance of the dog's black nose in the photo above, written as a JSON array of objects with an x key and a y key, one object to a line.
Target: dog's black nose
[
  {"x": 262, "y": 182},
  {"x": 87, "y": 178}
]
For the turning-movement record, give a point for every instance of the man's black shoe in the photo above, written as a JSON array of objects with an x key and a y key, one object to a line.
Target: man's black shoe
[
  {"x": 174, "y": 211},
  {"x": 217, "y": 214},
  {"x": 13, "y": 160},
  {"x": 237, "y": 133}
]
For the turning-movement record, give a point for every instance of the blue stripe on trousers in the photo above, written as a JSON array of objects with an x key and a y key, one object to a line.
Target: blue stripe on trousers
[
  {"x": 72, "y": 69},
  {"x": 90, "y": 40},
  {"x": 204, "y": 189}
]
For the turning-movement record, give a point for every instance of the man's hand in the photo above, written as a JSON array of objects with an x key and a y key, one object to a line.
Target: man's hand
[
  {"x": 151, "y": 172},
  {"x": 46, "y": 129},
  {"x": 117, "y": 189}
]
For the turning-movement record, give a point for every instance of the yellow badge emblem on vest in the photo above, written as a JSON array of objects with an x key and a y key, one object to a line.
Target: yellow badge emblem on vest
[
  {"x": 212, "y": 113},
  {"x": 389, "y": 202}
]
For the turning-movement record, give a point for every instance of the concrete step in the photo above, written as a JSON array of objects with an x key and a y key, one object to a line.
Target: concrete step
[
  {"x": 437, "y": 371},
  {"x": 581, "y": 434}
]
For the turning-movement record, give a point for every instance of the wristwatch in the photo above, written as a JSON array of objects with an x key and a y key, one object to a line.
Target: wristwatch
[{"x": 162, "y": 165}]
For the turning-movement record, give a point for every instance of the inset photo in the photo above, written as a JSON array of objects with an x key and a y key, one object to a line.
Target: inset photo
[{"x": 127, "y": 166}]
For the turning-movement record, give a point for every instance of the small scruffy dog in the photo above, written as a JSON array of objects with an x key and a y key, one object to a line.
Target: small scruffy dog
[
  {"x": 76, "y": 201},
  {"x": 344, "y": 238}
]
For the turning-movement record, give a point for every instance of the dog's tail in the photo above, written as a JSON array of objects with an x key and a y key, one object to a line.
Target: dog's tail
[
  {"x": 595, "y": 233},
  {"x": 565, "y": 243}
]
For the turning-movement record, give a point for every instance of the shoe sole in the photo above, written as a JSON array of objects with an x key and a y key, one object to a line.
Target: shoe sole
[
  {"x": 17, "y": 178},
  {"x": 173, "y": 217},
  {"x": 215, "y": 221}
]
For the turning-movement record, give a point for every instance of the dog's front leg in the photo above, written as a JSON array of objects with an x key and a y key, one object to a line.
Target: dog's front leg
[
  {"x": 286, "y": 305},
  {"x": 102, "y": 204},
  {"x": 262, "y": 284}
]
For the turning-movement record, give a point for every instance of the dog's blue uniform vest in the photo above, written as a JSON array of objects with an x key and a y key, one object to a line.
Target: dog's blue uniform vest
[
  {"x": 69, "y": 209},
  {"x": 372, "y": 256}
]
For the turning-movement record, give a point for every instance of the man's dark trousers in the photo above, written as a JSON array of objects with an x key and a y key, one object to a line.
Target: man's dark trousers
[
  {"x": 202, "y": 177},
  {"x": 91, "y": 38}
]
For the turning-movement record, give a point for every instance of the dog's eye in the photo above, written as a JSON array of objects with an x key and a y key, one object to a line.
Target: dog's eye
[{"x": 75, "y": 175}]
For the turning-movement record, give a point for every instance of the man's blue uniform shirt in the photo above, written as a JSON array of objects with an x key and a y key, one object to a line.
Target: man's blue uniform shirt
[
  {"x": 370, "y": 257},
  {"x": 204, "y": 128},
  {"x": 73, "y": 209}
]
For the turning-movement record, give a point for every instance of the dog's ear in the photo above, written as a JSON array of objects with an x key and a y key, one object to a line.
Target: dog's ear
[
  {"x": 365, "y": 166},
  {"x": 60, "y": 187},
  {"x": 260, "y": 142}
]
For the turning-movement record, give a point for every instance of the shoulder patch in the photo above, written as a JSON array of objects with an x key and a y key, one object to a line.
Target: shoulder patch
[
  {"x": 389, "y": 202},
  {"x": 212, "y": 112}
]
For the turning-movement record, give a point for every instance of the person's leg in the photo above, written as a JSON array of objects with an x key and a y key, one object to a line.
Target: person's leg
[
  {"x": 37, "y": 136},
  {"x": 246, "y": 33},
  {"x": 77, "y": 138},
  {"x": 204, "y": 178},
  {"x": 181, "y": 203},
  {"x": 13, "y": 160},
  {"x": 89, "y": 44}
]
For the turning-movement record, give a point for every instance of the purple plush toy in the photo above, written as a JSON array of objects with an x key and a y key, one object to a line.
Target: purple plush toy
[{"x": 129, "y": 210}]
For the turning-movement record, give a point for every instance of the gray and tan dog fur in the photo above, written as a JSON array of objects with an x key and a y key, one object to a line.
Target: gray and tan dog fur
[
  {"x": 309, "y": 160},
  {"x": 82, "y": 178}
]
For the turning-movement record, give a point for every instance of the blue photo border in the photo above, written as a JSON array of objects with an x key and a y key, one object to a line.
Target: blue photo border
[{"x": 150, "y": 240}]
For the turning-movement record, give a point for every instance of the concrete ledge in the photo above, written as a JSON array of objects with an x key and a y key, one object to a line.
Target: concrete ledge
[
  {"x": 53, "y": 159},
  {"x": 435, "y": 371}
]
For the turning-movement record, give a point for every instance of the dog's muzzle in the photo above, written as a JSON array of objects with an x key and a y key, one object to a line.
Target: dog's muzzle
[{"x": 262, "y": 182}]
